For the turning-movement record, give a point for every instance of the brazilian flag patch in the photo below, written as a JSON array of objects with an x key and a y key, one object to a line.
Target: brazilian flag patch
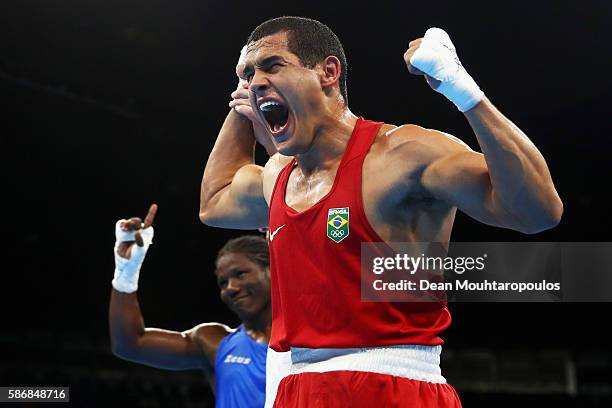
[{"x": 337, "y": 224}]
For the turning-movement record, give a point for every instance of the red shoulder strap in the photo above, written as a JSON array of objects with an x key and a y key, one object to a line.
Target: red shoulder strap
[
  {"x": 280, "y": 185},
  {"x": 362, "y": 138}
]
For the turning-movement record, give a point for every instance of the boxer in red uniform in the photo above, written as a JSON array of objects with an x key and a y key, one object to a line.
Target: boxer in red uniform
[{"x": 375, "y": 182}]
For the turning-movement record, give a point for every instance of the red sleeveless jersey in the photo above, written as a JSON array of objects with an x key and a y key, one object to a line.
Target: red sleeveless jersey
[{"x": 315, "y": 281}]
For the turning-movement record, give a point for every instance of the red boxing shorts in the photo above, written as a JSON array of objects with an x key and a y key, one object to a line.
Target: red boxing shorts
[
  {"x": 358, "y": 389},
  {"x": 395, "y": 376}
]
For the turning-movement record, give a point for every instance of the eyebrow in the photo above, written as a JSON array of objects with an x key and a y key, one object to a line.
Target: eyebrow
[
  {"x": 266, "y": 62},
  {"x": 231, "y": 271},
  {"x": 269, "y": 60}
]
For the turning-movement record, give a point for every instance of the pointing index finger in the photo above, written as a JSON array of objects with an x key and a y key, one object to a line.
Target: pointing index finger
[{"x": 148, "y": 221}]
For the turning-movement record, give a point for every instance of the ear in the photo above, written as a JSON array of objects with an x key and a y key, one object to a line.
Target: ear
[{"x": 330, "y": 71}]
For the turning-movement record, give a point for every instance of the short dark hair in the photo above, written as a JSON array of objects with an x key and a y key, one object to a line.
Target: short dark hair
[
  {"x": 254, "y": 247},
  {"x": 310, "y": 40}
]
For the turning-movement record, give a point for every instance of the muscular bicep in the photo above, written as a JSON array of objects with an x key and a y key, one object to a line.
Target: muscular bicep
[
  {"x": 461, "y": 179},
  {"x": 169, "y": 350},
  {"x": 240, "y": 204}
]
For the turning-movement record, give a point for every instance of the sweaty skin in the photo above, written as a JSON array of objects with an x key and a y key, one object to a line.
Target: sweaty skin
[{"x": 414, "y": 179}]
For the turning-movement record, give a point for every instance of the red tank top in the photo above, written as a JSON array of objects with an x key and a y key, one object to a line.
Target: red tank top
[{"x": 315, "y": 281}]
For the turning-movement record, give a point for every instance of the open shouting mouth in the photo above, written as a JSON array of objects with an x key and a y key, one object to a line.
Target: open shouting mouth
[{"x": 276, "y": 114}]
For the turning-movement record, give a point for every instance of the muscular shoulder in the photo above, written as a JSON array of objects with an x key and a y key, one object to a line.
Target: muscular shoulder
[
  {"x": 209, "y": 335},
  {"x": 415, "y": 144},
  {"x": 271, "y": 171}
]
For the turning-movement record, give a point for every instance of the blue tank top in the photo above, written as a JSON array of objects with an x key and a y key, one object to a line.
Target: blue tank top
[{"x": 240, "y": 371}]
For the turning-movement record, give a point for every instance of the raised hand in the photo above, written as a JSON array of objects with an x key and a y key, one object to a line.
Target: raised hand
[
  {"x": 129, "y": 257},
  {"x": 133, "y": 227},
  {"x": 435, "y": 56},
  {"x": 241, "y": 103}
]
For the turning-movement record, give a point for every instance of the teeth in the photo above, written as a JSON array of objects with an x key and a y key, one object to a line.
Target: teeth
[{"x": 267, "y": 105}]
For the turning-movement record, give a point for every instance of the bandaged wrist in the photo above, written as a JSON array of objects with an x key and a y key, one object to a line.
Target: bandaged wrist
[
  {"x": 436, "y": 57},
  {"x": 240, "y": 68},
  {"x": 461, "y": 90},
  {"x": 127, "y": 270}
]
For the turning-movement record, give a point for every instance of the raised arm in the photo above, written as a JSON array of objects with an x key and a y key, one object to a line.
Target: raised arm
[
  {"x": 520, "y": 181},
  {"x": 171, "y": 350},
  {"x": 509, "y": 184},
  {"x": 231, "y": 194},
  {"x": 130, "y": 339}
]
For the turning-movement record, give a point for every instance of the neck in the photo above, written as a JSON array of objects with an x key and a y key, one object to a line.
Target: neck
[
  {"x": 330, "y": 139},
  {"x": 259, "y": 326}
]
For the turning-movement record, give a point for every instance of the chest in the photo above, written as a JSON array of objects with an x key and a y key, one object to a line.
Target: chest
[
  {"x": 240, "y": 356},
  {"x": 391, "y": 196},
  {"x": 303, "y": 192},
  {"x": 381, "y": 189}
]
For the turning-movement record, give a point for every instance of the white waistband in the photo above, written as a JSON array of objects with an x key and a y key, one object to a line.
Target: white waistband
[{"x": 410, "y": 361}]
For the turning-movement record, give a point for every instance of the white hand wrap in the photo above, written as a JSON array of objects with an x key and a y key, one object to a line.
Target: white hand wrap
[
  {"x": 127, "y": 270},
  {"x": 436, "y": 57},
  {"x": 240, "y": 67}
]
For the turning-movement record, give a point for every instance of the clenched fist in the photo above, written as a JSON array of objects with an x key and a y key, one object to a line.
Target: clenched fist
[{"x": 435, "y": 56}]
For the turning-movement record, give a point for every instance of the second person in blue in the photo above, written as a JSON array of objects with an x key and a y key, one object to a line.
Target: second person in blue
[{"x": 233, "y": 360}]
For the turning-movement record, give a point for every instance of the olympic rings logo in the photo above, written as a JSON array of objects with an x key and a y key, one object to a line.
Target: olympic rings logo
[{"x": 337, "y": 233}]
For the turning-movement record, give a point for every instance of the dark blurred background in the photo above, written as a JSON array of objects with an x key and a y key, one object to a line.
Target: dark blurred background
[{"x": 108, "y": 106}]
